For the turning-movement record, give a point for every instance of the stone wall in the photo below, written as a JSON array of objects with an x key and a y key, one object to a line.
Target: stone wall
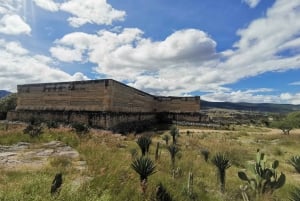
[
  {"x": 105, "y": 120},
  {"x": 178, "y": 104},
  {"x": 100, "y": 103},
  {"x": 79, "y": 96},
  {"x": 128, "y": 99},
  {"x": 99, "y": 95}
]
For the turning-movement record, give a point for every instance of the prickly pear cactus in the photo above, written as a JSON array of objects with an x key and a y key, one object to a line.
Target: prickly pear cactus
[{"x": 266, "y": 179}]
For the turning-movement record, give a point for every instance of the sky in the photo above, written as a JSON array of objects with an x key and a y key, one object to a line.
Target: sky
[{"x": 221, "y": 50}]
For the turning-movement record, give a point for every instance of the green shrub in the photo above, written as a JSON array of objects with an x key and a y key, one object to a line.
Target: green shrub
[
  {"x": 33, "y": 130},
  {"x": 80, "y": 128}
]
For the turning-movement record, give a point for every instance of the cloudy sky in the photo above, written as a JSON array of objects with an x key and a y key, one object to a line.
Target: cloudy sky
[{"x": 222, "y": 50}]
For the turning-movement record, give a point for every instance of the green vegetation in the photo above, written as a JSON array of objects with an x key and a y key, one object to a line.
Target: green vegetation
[
  {"x": 8, "y": 103},
  {"x": 295, "y": 195},
  {"x": 144, "y": 144},
  {"x": 80, "y": 129},
  {"x": 205, "y": 154},
  {"x": 266, "y": 179},
  {"x": 174, "y": 133},
  {"x": 110, "y": 175},
  {"x": 144, "y": 167},
  {"x": 291, "y": 121},
  {"x": 173, "y": 150},
  {"x": 295, "y": 162},
  {"x": 222, "y": 163}
]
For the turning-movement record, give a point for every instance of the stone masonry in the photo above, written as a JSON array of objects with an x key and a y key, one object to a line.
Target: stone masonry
[{"x": 103, "y": 103}]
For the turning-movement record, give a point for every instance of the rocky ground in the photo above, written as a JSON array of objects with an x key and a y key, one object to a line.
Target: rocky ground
[{"x": 26, "y": 156}]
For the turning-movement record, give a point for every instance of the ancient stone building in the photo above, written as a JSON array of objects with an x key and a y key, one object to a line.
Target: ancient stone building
[{"x": 103, "y": 103}]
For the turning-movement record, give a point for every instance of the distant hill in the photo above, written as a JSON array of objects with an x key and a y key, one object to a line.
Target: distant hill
[
  {"x": 255, "y": 107},
  {"x": 4, "y": 93}
]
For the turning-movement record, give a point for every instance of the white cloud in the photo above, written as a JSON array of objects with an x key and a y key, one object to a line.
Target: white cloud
[
  {"x": 91, "y": 11},
  {"x": 47, "y": 5},
  {"x": 128, "y": 56},
  {"x": 291, "y": 98},
  {"x": 251, "y": 3},
  {"x": 66, "y": 54},
  {"x": 85, "y": 11},
  {"x": 295, "y": 83},
  {"x": 252, "y": 96},
  {"x": 10, "y": 6},
  {"x": 14, "y": 25},
  {"x": 14, "y": 48},
  {"x": 186, "y": 60},
  {"x": 18, "y": 66}
]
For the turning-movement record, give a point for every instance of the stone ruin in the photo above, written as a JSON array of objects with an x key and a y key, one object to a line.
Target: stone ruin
[{"x": 100, "y": 103}]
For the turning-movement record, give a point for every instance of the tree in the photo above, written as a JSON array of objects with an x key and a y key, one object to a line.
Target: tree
[
  {"x": 144, "y": 167},
  {"x": 222, "y": 163},
  {"x": 8, "y": 102},
  {"x": 291, "y": 121}
]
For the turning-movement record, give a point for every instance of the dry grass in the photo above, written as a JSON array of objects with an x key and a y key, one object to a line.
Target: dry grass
[{"x": 108, "y": 159}]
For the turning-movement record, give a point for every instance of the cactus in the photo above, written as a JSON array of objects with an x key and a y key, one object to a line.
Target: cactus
[
  {"x": 144, "y": 143},
  {"x": 243, "y": 191},
  {"x": 266, "y": 179}
]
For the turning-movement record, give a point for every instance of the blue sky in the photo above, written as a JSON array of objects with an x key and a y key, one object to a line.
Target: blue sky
[{"x": 222, "y": 50}]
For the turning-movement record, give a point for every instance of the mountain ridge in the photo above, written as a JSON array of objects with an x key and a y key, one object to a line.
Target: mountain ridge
[
  {"x": 4, "y": 93},
  {"x": 255, "y": 107}
]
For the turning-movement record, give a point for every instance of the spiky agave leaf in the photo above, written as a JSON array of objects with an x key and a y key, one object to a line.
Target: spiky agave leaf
[
  {"x": 222, "y": 163},
  {"x": 295, "y": 161},
  {"x": 295, "y": 195},
  {"x": 144, "y": 167},
  {"x": 162, "y": 194},
  {"x": 173, "y": 149},
  {"x": 144, "y": 144}
]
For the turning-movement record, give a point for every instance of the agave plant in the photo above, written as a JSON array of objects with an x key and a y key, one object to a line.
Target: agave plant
[
  {"x": 144, "y": 144},
  {"x": 144, "y": 167},
  {"x": 174, "y": 133},
  {"x": 205, "y": 154},
  {"x": 295, "y": 195},
  {"x": 162, "y": 194},
  {"x": 295, "y": 161},
  {"x": 173, "y": 149},
  {"x": 222, "y": 163},
  {"x": 166, "y": 139}
]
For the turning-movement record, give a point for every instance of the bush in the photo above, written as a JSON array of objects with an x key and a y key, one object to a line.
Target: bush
[
  {"x": 80, "y": 128},
  {"x": 52, "y": 124},
  {"x": 33, "y": 130},
  {"x": 133, "y": 127}
]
